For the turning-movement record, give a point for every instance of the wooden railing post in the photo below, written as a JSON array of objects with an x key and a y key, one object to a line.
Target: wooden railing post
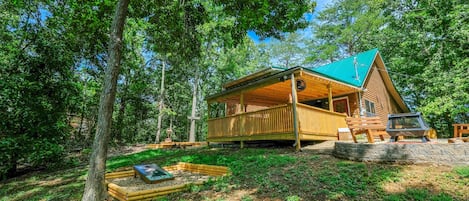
[
  {"x": 331, "y": 105},
  {"x": 242, "y": 118}
]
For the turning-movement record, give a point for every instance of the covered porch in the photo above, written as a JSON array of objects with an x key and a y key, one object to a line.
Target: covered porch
[{"x": 277, "y": 105}]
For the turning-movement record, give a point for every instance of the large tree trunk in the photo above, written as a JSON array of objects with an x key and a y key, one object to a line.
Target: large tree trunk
[
  {"x": 194, "y": 107},
  {"x": 95, "y": 185},
  {"x": 161, "y": 105}
]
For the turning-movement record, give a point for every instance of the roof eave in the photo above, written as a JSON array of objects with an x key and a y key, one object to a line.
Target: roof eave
[
  {"x": 390, "y": 85},
  {"x": 272, "y": 77},
  {"x": 251, "y": 76},
  {"x": 331, "y": 79}
]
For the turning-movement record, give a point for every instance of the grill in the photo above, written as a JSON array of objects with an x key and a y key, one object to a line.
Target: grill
[{"x": 407, "y": 124}]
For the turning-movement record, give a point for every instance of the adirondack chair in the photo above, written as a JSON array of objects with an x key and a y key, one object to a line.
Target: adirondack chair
[
  {"x": 460, "y": 129},
  {"x": 371, "y": 126}
]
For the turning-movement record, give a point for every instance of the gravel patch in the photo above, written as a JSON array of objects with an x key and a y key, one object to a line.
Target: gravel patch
[{"x": 180, "y": 177}]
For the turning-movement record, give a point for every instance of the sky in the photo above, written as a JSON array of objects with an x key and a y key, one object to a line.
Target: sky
[{"x": 321, "y": 4}]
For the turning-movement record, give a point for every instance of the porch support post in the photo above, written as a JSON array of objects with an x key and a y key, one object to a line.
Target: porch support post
[
  {"x": 362, "y": 112},
  {"x": 331, "y": 105},
  {"x": 241, "y": 103},
  {"x": 297, "y": 144},
  {"x": 242, "y": 119}
]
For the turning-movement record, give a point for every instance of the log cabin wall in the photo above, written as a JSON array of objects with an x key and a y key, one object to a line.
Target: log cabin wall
[
  {"x": 354, "y": 105},
  {"x": 377, "y": 93}
]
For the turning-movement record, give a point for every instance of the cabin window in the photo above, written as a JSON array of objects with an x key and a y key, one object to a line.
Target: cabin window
[{"x": 370, "y": 108}]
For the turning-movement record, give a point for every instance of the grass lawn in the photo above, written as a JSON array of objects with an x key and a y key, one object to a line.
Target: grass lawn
[{"x": 266, "y": 174}]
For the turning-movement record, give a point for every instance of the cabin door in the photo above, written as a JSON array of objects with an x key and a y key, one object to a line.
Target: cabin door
[{"x": 341, "y": 105}]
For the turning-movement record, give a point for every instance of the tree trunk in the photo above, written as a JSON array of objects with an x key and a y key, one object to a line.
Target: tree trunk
[
  {"x": 95, "y": 183},
  {"x": 194, "y": 107},
  {"x": 119, "y": 127},
  {"x": 161, "y": 104}
]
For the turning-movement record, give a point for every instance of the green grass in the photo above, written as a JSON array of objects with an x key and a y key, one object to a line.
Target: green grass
[
  {"x": 462, "y": 171},
  {"x": 273, "y": 173}
]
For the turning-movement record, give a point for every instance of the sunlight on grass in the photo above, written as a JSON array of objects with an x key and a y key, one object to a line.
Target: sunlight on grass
[
  {"x": 134, "y": 159},
  {"x": 24, "y": 195},
  {"x": 462, "y": 171},
  {"x": 272, "y": 173}
]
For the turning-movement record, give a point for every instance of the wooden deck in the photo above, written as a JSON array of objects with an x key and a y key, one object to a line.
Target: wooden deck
[{"x": 276, "y": 123}]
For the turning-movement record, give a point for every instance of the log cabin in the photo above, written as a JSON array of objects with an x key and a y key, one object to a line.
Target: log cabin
[{"x": 302, "y": 103}]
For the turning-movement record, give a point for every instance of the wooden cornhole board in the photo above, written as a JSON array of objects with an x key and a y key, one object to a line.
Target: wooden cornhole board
[{"x": 152, "y": 173}]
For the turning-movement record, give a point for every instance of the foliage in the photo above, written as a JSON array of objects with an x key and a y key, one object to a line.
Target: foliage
[
  {"x": 289, "y": 52},
  {"x": 270, "y": 19},
  {"x": 432, "y": 52},
  {"x": 137, "y": 88},
  {"x": 346, "y": 28},
  {"x": 36, "y": 91}
]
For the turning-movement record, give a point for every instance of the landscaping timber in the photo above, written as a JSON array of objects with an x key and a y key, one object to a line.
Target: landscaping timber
[
  {"x": 127, "y": 193},
  {"x": 167, "y": 145}
]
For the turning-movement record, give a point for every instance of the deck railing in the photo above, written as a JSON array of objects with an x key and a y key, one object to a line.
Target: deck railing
[
  {"x": 272, "y": 120},
  {"x": 314, "y": 123},
  {"x": 317, "y": 121}
]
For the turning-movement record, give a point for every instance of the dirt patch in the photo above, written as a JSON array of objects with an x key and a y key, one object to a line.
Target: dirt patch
[
  {"x": 325, "y": 147},
  {"x": 240, "y": 194},
  {"x": 125, "y": 150},
  {"x": 430, "y": 177}
]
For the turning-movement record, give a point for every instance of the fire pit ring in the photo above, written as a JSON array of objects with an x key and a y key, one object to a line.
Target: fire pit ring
[{"x": 408, "y": 125}]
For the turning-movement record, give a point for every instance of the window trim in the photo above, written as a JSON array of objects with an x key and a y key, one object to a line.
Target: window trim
[{"x": 370, "y": 108}]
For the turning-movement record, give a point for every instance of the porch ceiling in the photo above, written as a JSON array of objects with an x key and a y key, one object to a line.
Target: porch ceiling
[{"x": 279, "y": 92}]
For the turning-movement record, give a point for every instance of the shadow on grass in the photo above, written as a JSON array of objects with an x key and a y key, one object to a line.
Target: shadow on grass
[{"x": 60, "y": 186}]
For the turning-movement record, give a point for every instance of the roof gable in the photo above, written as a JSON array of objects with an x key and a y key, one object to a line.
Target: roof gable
[{"x": 344, "y": 70}]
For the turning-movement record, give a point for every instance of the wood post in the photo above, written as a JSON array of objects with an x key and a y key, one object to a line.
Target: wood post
[
  {"x": 331, "y": 105},
  {"x": 241, "y": 103},
  {"x": 295, "y": 113},
  {"x": 242, "y": 118}
]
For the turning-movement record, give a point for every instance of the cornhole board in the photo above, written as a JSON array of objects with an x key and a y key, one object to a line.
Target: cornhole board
[{"x": 152, "y": 173}]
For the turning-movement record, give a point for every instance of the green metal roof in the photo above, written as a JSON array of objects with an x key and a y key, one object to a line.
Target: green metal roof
[{"x": 344, "y": 70}]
